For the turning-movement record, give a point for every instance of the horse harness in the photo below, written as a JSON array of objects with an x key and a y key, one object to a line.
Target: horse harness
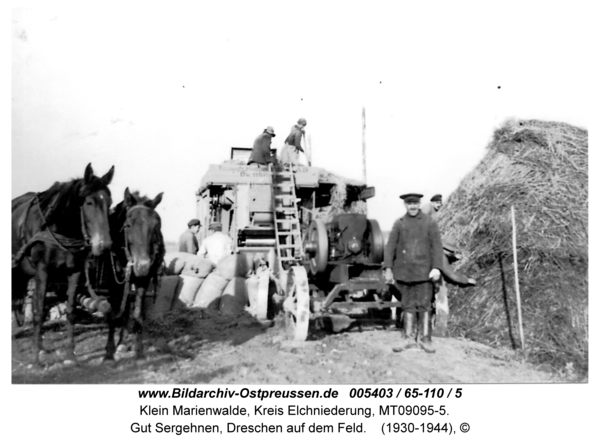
[
  {"x": 47, "y": 236},
  {"x": 129, "y": 266}
]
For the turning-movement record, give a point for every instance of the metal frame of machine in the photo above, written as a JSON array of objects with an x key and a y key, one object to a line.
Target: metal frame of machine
[{"x": 324, "y": 265}]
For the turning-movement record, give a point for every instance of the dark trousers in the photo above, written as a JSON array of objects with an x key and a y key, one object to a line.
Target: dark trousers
[{"x": 416, "y": 296}]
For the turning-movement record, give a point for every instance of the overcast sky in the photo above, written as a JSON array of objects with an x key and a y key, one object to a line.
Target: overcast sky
[{"x": 163, "y": 93}]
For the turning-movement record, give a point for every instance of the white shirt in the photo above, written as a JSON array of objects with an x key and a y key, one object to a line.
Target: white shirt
[{"x": 216, "y": 246}]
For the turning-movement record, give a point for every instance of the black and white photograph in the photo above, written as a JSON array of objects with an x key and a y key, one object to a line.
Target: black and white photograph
[{"x": 263, "y": 194}]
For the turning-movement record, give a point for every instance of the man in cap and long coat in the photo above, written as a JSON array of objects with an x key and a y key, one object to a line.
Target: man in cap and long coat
[
  {"x": 413, "y": 258},
  {"x": 261, "y": 150}
]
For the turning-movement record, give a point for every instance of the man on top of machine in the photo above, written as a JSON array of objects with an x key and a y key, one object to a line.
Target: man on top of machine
[
  {"x": 293, "y": 144},
  {"x": 261, "y": 150}
]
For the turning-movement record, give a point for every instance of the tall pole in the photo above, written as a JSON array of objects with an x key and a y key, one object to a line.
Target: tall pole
[
  {"x": 514, "y": 238},
  {"x": 364, "y": 144}
]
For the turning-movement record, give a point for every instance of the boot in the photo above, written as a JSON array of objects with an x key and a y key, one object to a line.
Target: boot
[
  {"x": 409, "y": 333},
  {"x": 425, "y": 327}
]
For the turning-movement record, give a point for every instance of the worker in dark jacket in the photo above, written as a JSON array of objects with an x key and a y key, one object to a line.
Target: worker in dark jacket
[
  {"x": 433, "y": 206},
  {"x": 261, "y": 150},
  {"x": 436, "y": 202},
  {"x": 293, "y": 144},
  {"x": 413, "y": 258},
  {"x": 188, "y": 242}
]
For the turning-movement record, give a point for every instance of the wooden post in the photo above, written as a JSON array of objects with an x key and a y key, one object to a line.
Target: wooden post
[
  {"x": 512, "y": 210},
  {"x": 364, "y": 144}
]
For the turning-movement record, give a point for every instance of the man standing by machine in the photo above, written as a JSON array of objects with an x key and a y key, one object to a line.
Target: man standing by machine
[
  {"x": 217, "y": 245},
  {"x": 188, "y": 242},
  {"x": 413, "y": 257},
  {"x": 261, "y": 150}
]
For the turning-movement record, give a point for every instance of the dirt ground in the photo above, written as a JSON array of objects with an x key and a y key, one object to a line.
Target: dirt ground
[{"x": 202, "y": 347}]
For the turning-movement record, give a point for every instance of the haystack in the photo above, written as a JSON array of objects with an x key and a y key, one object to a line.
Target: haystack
[{"x": 540, "y": 168}]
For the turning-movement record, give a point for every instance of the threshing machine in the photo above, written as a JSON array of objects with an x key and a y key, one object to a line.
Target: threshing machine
[{"x": 327, "y": 259}]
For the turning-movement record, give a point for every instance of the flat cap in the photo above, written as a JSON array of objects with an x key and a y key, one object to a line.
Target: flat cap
[
  {"x": 436, "y": 198},
  {"x": 270, "y": 130},
  {"x": 215, "y": 225},
  {"x": 193, "y": 222},
  {"x": 411, "y": 197}
]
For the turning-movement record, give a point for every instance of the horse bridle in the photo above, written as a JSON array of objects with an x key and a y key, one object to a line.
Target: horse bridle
[
  {"x": 129, "y": 265},
  {"x": 124, "y": 229}
]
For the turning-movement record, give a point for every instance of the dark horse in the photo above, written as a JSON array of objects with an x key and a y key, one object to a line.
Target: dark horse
[
  {"x": 137, "y": 255},
  {"x": 53, "y": 233}
]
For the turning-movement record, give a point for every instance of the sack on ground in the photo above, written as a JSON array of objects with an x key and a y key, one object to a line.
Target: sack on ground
[
  {"x": 199, "y": 267},
  {"x": 162, "y": 303},
  {"x": 210, "y": 291},
  {"x": 174, "y": 262},
  {"x": 252, "y": 291},
  {"x": 189, "y": 289},
  {"x": 235, "y": 265},
  {"x": 235, "y": 297}
]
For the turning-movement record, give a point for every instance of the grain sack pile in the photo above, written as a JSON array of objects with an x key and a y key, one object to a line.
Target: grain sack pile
[
  {"x": 192, "y": 271},
  {"x": 540, "y": 168},
  {"x": 206, "y": 285},
  {"x": 230, "y": 287}
]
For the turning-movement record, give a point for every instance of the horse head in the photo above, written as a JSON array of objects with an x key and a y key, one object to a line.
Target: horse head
[
  {"x": 142, "y": 233},
  {"x": 95, "y": 200},
  {"x": 77, "y": 210}
]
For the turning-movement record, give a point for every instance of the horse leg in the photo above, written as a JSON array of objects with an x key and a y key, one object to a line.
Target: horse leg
[
  {"x": 125, "y": 320},
  {"x": 138, "y": 321},
  {"x": 109, "y": 356},
  {"x": 19, "y": 297},
  {"x": 115, "y": 316},
  {"x": 73, "y": 280},
  {"x": 37, "y": 305}
]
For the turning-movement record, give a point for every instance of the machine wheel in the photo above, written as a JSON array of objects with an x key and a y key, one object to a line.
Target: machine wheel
[
  {"x": 297, "y": 304},
  {"x": 376, "y": 241},
  {"x": 318, "y": 254},
  {"x": 262, "y": 299}
]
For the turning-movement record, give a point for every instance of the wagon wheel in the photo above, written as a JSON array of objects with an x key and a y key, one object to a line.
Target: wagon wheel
[
  {"x": 377, "y": 242},
  {"x": 297, "y": 304},
  {"x": 262, "y": 297},
  {"x": 317, "y": 247}
]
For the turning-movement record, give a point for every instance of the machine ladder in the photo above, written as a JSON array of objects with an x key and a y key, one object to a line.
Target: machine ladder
[{"x": 287, "y": 223}]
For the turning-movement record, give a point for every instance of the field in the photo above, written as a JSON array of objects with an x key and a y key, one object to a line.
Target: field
[{"x": 195, "y": 346}]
